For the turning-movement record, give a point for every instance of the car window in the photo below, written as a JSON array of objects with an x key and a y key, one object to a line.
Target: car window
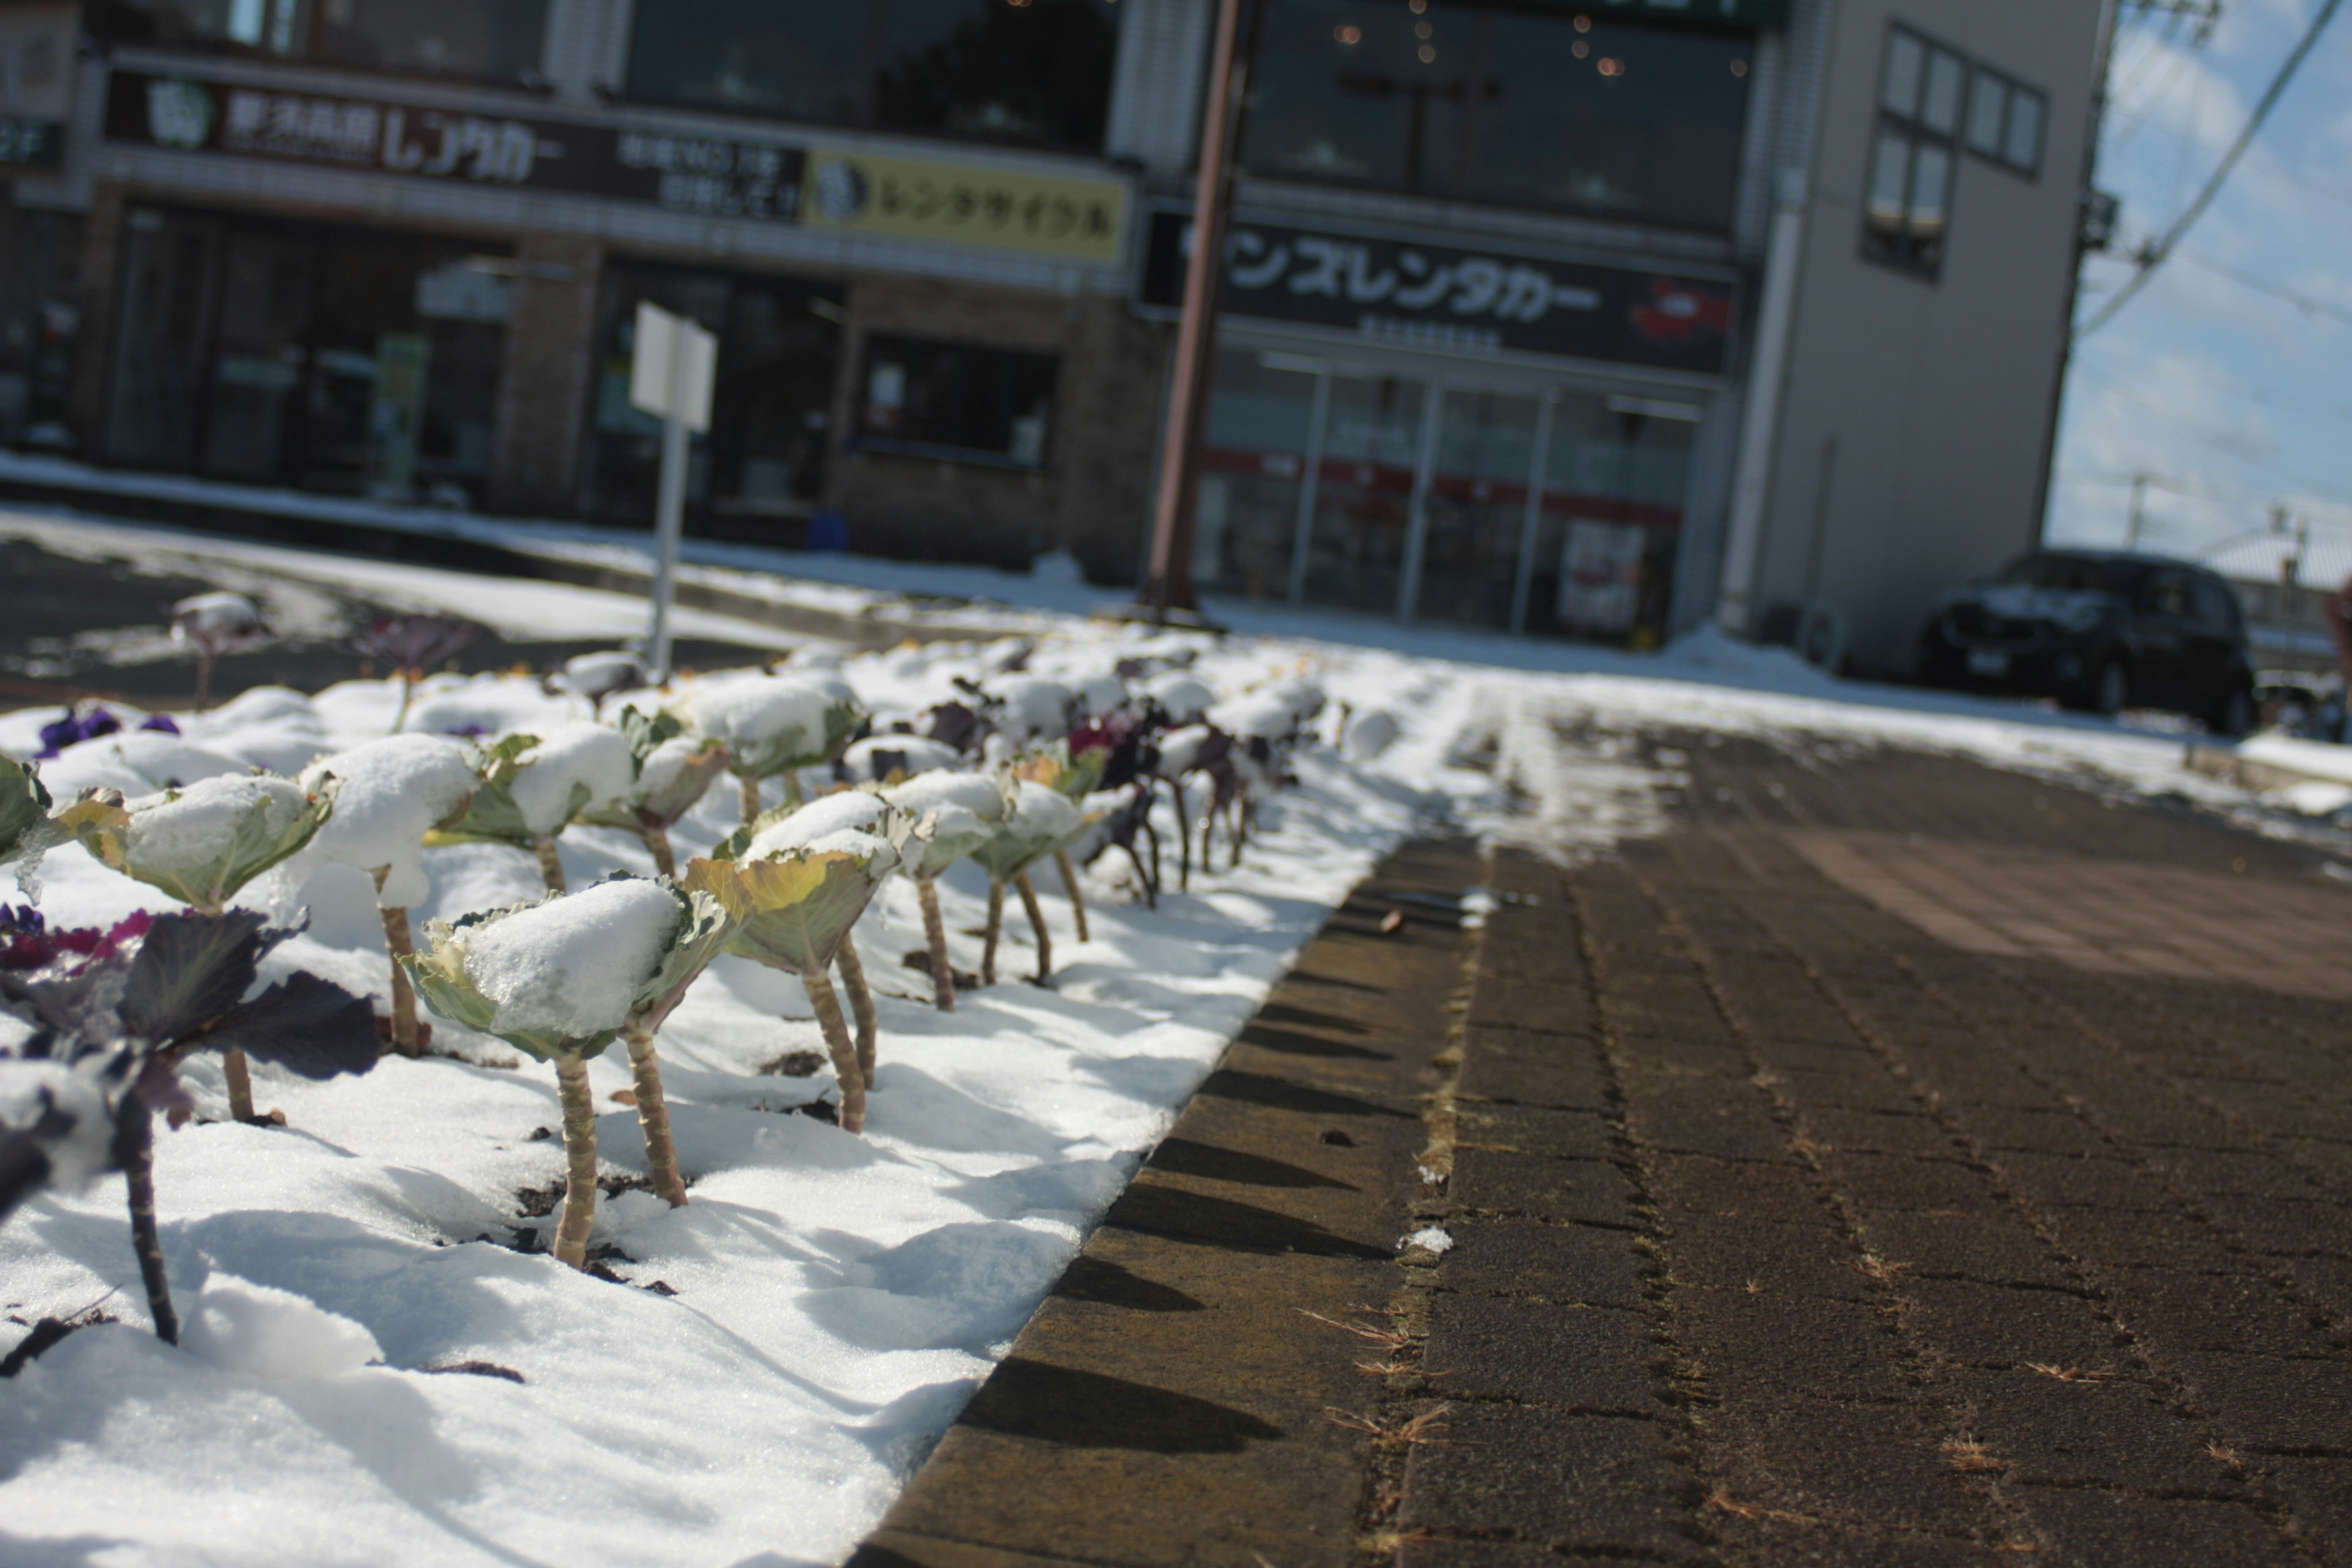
[
  {"x": 2163, "y": 593},
  {"x": 2063, "y": 573},
  {"x": 2217, "y": 607}
]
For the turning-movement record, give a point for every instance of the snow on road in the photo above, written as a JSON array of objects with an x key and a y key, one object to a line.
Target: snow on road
[{"x": 785, "y": 1350}]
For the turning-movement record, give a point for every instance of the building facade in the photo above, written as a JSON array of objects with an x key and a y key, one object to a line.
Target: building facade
[{"x": 1588, "y": 320}]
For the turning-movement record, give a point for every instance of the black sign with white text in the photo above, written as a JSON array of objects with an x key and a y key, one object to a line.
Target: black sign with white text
[{"x": 1441, "y": 297}]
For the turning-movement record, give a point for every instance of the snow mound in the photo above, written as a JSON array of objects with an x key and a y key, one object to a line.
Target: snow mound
[
  {"x": 572, "y": 965},
  {"x": 139, "y": 762},
  {"x": 264, "y": 1332},
  {"x": 1098, "y": 694},
  {"x": 1184, "y": 697},
  {"x": 846, "y": 821},
  {"x": 1035, "y": 708},
  {"x": 762, "y": 714},
  {"x": 1369, "y": 733},
  {"x": 876, "y": 757},
  {"x": 580, "y": 752},
  {"x": 195, "y": 831},
  {"x": 393, "y": 791}
]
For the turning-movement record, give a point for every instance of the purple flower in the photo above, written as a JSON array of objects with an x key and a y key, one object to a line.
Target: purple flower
[
  {"x": 74, "y": 729},
  {"x": 467, "y": 732},
  {"x": 28, "y": 941},
  {"x": 162, "y": 723}
]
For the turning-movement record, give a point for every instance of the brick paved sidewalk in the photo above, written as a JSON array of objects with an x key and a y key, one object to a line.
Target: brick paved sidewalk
[{"x": 1898, "y": 1162}]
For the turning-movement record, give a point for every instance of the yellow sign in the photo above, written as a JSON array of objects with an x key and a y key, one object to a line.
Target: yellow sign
[{"x": 1078, "y": 220}]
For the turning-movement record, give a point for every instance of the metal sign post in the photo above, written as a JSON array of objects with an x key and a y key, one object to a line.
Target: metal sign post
[{"x": 670, "y": 377}]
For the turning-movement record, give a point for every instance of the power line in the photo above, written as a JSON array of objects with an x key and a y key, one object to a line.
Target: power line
[
  {"x": 2304, "y": 302},
  {"x": 2153, "y": 256},
  {"x": 2228, "y": 446}
]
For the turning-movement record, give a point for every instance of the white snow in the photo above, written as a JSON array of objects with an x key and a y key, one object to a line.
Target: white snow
[
  {"x": 573, "y": 965},
  {"x": 264, "y": 1332},
  {"x": 137, "y": 763},
  {"x": 393, "y": 792},
  {"x": 874, "y": 758},
  {"x": 1041, "y": 816},
  {"x": 761, "y": 717},
  {"x": 568, "y": 756},
  {"x": 193, "y": 830},
  {"x": 844, "y": 823},
  {"x": 1430, "y": 1238},
  {"x": 1184, "y": 697},
  {"x": 964, "y": 811},
  {"x": 1035, "y": 708}
]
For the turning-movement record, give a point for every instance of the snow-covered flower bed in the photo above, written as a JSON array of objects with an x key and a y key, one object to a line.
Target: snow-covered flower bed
[{"x": 378, "y": 1344}]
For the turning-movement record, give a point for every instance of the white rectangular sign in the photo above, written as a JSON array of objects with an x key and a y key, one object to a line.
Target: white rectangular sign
[{"x": 674, "y": 364}]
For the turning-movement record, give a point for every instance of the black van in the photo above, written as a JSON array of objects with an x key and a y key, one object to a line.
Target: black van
[{"x": 2101, "y": 631}]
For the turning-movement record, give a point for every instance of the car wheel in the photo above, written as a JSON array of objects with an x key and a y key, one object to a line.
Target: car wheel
[{"x": 2236, "y": 714}]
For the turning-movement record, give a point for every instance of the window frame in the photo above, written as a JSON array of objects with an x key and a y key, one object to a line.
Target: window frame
[
  {"x": 1907, "y": 250},
  {"x": 2010, "y": 90},
  {"x": 863, "y": 438},
  {"x": 303, "y": 34}
]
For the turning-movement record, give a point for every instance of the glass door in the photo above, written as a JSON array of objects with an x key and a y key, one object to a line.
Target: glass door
[
  {"x": 1263, "y": 418},
  {"x": 1363, "y": 503},
  {"x": 1609, "y": 517},
  {"x": 1475, "y": 508}
]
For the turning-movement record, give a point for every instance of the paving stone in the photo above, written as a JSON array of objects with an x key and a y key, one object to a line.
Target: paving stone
[
  {"x": 1581, "y": 1484},
  {"x": 2171, "y": 1310},
  {"x": 1659, "y": 1061},
  {"x": 1515, "y": 1004},
  {"x": 1700, "y": 1184},
  {"x": 1811, "y": 1544},
  {"x": 2319, "y": 1493},
  {"x": 2102, "y": 1528},
  {"x": 2113, "y": 1185},
  {"x": 1868, "y": 1087},
  {"x": 1734, "y": 1252},
  {"x": 1932, "y": 1245},
  {"x": 1912, "y": 1135},
  {"x": 1539, "y": 1187},
  {"x": 1729, "y": 1120},
  {"x": 2053, "y": 1132},
  {"x": 1764, "y": 1344},
  {"x": 2112, "y": 1238},
  {"x": 2273, "y": 1405},
  {"x": 1852, "y": 1464},
  {"x": 1556, "y": 1263},
  {"x": 2283, "y": 1226},
  {"x": 2205, "y": 1172},
  {"x": 2113, "y": 1432},
  {"x": 1530, "y": 1130},
  {"x": 1595, "y": 1359},
  {"x": 1559, "y": 1071},
  {"x": 1898, "y": 1181},
  {"x": 2002, "y": 1325}
]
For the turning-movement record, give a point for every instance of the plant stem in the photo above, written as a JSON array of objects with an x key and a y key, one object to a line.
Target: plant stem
[
  {"x": 1078, "y": 898},
  {"x": 657, "y": 840},
  {"x": 1028, "y": 892},
  {"x": 995, "y": 926},
  {"x": 751, "y": 801},
  {"x": 653, "y": 1116},
  {"x": 935, "y": 930},
  {"x": 845, "y": 1071},
  {"x": 861, "y": 1003},
  {"x": 240, "y": 1085},
  {"x": 579, "y": 1154},
  {"x": 134, "y": 1150},
  {"x": 407, "y": 695},
  {"x": 1184, "y": 837},
  {"x": 204, "y": 678},
  {"x": 399, "y": 943},
  {"x": 551, "y": 865},
  {"x": 793, "y": 798}
]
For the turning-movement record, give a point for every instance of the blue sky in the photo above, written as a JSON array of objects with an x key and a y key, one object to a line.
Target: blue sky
[{"x": 2234, "y": 397}]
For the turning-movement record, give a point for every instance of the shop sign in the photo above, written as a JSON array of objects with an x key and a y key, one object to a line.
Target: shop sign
[
  {"x": 1074, "y": 220},
  {"x": 31, "y": 143},
  {"x": 710, "y": 175},
  {"x": 1442, "y": 297}
]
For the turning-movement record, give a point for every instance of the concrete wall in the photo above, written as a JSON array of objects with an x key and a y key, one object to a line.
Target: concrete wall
[{"x": 1910, "y": 443}]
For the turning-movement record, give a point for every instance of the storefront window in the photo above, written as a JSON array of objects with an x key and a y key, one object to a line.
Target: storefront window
[
  {"x": 1614, "y": 474},
  {"x": 1545, "y": 108},
  {"x": 487, "y": 40},
  {"x": 1034, "y": 71},
  {"x": 1262, "y": 419},
  {"x": 40, "y": 318},
  {"x": 325, "y": 359},
  {"x": 959, "y": 401},
  {"x": 761, "y": 466}
]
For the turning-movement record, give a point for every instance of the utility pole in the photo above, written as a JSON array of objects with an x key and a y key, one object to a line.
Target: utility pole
[
  {"x": 2138, "y": 511},
  {"x": 1170, "y": 587}
]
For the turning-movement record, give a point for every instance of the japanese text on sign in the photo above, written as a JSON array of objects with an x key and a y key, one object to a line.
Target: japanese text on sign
[{"x": 1079, "y": 219}]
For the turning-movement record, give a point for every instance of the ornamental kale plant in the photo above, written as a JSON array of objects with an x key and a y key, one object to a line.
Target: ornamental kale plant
[
  {"x": 674, "y": 771},
  {"x": 532, "y": 788},
  {"x": 26, "y": 830},
  {"x": 960, "y": 812},
  {"x": 113, "y": 1015},
  {"x": 773, "y": 725},
  {"x": 413, "y": 644},
  {"x": 562, "y": 979},
  {"x": 201, "y": 845},
  {"x": 793, "y": 897},
  {"x": 1041, "y": 821}
]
